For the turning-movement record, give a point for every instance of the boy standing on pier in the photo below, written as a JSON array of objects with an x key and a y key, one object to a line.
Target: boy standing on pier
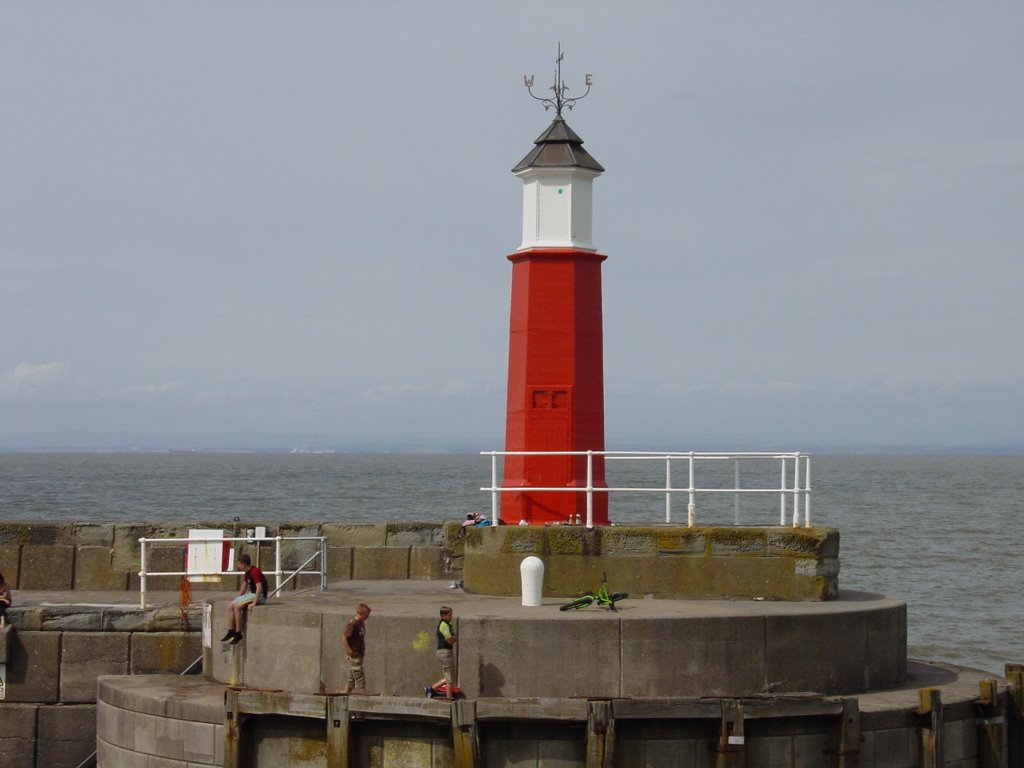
[
  {"x": 446, "y": 639},
  {"x": 354, "y": 640}
]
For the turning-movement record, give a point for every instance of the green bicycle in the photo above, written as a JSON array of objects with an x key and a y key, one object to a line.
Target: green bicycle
[{"x": 602, "y": 597}]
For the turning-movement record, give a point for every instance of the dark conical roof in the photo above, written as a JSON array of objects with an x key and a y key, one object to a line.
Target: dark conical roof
[{"x": 558, "y": 147}]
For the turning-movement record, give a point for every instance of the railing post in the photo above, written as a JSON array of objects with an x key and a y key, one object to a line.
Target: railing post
[
  {"x": 494, "y": 487},
  {"x": 691, "y": 506},
  {"x": 807, "y": 492},
  {"x": 143, "y": 566},
  {"x": 590, "y": 490},
  {"x": 277, "y": 563},
  {"x": 668, "y": 489},
  {"x": 782, "y": 493},
  {"x": 796, "y": 491},
  {"x": 736, "y": 489},
  {"x": 323, "y": 563}
]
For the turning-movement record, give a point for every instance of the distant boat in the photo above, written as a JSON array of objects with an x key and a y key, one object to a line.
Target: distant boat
[{"x": 311, "y": 450}]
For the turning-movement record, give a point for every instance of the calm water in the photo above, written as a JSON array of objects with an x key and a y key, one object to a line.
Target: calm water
[{"x": 941, "y": 533}]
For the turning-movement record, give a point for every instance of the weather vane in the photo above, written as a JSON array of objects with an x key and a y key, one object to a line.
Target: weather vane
[{"x": 559, "y": 100}]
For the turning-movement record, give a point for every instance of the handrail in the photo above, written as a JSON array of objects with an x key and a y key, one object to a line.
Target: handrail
[
  {"x": 799, "y": 491},
  {"x": 277, "y": 572}
]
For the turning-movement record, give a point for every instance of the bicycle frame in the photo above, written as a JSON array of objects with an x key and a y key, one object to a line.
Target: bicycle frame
[{"x": 604, "y": 598}]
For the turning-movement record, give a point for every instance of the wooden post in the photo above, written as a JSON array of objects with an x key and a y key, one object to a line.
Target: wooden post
[
  {"x": 933, "y": 742},
  {"x": 232, "y": 730},
  {"x": 991, "y": 724},
  {"x": 848, "y": 751},
  {"x": 731, "y": 751},
  {"x": 465, "y": 740},
  {"x": 337, "y": 732},
  {"x": 1015, "y": 716},
  {"x": 600, "y": 734}
]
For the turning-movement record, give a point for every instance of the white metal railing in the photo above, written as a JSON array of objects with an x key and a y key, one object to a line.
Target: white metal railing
[
  {"x": 794, "y": 467},
  {"x": 277, "y": 573}
]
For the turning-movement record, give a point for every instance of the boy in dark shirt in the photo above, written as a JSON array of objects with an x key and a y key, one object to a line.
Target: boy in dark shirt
[{"x": 354, "y": 640}]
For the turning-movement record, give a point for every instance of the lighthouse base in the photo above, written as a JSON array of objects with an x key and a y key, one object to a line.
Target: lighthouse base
[{"x": 667, "y": 561}]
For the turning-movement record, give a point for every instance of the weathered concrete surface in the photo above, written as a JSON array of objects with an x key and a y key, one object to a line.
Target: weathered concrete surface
[
  {"x": 378, "y": 563},
  {"x": 47, "y": 566},
  {"x": 86, "y": 656},
  {"x": 94, "y": 569},
  {"x": 156, "y": 714},
  {"x": 10, "y": 557},
  {"x": 176, "y": 720},
  {"x": 281, "y": 648},
  {"x": 67, "y": 735},
  {"x": 660, "y": 561},
  {"x": 33, "y": 667},
  {"x": 704, "y": 656},
  {"x": 18, "y": 734},
  {"x": 6, "y": 634},
  {"x": 649, "y": 647},
  {"x": 159, "y": 652}
]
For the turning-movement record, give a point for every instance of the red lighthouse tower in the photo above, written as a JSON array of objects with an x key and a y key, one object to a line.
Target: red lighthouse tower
[{"x": 555, "y": 360}]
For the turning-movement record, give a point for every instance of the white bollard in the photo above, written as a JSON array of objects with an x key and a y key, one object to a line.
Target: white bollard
[{"x": 531, "y": 571}]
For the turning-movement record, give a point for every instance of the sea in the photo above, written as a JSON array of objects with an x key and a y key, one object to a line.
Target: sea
[{"x": 943, "y": 533}]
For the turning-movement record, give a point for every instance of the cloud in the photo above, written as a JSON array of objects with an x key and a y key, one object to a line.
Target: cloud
[
  {"x": 152, "y": 389},
  {"x": 456, "y": 387},
  {"x": 27, "y": 378}
]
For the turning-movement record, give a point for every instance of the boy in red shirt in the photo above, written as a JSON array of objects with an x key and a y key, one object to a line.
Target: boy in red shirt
[{"x": 253, "y": 593}]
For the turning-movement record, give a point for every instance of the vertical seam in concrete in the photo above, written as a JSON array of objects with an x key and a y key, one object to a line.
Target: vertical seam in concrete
[
  {"x": 35, "y": 735},
  {"x": 621, "y": 676},
  {"x": 764, "y": 653},
  {"x": 60, "y": 665}
]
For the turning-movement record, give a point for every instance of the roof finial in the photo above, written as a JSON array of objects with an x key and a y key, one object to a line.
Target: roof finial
[{"x": 559, "y": 100}]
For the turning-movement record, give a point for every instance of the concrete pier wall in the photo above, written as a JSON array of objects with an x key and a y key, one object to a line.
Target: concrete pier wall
[
  {"x": 52, "y": 656},
  {"x": 661, "y": 561},
  {"x": 184, "y": 720},
  {"x": 106, "y": 556},
  {"x": 668, "y": 561},
  {"x": 647, "y": 648}
]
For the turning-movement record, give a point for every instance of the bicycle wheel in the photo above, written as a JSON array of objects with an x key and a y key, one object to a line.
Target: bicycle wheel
[{"x": 580, "y": 602}]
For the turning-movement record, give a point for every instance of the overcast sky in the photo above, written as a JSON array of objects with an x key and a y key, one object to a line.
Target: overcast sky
[{"x": 226, "y": 221}]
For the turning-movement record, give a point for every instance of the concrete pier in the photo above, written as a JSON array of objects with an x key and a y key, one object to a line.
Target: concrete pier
[
  {"x": 648, "y": 647},
  {"x": 772, "y": 664},
  {"x": 657, "y": 683}
]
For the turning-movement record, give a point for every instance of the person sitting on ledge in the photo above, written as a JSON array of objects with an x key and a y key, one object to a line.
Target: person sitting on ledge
[
  {"x": 5, "y": 600},
  {"x": 253, "y": 593}
]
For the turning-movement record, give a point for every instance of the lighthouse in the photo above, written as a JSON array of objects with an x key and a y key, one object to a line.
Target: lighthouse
[{"x": 555, "y": 403}]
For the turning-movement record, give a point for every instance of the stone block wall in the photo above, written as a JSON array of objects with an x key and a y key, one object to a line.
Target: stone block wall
[
  {"x": 54, "y": 656},
  {"x": 662, "y": 561},
  {"x": 798, "y": 564},
  {"x": 71, "y": 556}
]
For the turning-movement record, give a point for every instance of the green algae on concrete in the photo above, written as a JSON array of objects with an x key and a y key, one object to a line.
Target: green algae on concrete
[
  {"x": 817, "y": 542},
  {"x": 738, "y": 541},
  {"x": 661, "y": 561}
]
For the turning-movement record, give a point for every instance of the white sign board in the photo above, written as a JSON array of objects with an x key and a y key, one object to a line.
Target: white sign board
[{"x": 205, "y": 559}]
